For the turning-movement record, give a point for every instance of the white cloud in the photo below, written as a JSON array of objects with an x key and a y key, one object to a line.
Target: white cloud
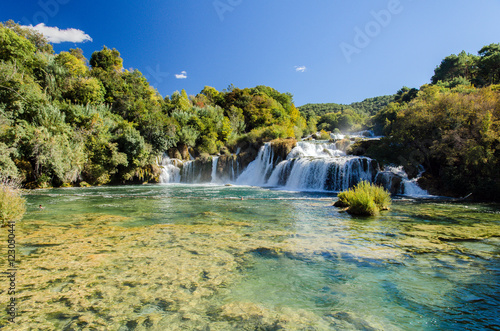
[
  {"x": 56, "y": 35},
  {"x": 300, "y": 68},
  {"x": 182, "y": 75}
]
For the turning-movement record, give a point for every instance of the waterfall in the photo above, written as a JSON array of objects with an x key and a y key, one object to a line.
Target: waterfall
[
  {"x": 313, "y": 149},
  {"x": 259, "y": 170},
  {"x": 214, "y": 169},
  {"x": 320, "y": 166},
  {"x": 309, "y": 166},
  {"x": 170, "y": 173},
  {"x": 396, "y": 180},
  {"x": 410, "y": 187},
  {"x": 194, "y": 172}
]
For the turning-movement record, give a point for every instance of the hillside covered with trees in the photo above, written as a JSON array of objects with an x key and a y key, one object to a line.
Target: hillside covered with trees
[
  {"x": 66, "y": 120},
  {"x": 451, "y": 127},
  {"x": 346, "y": 118}
]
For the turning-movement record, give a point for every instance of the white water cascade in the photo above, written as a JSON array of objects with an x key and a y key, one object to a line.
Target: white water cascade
[
  {"x": 309, "y": 166},
  {"x": 215, "y": 159},
  {"x": 409, "y": 186},
  {"x": 170, "y": 172},
  {"x": 259, "y": 170}
]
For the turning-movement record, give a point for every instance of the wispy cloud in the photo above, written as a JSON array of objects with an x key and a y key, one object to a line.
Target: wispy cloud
[
  {"x": 56, "y": 35},
  {"x": 300, "y": 68},
  {"x": 182, "y": 75}
]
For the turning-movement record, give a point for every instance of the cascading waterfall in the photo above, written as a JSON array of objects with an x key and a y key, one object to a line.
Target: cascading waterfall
[
  {"x": 170, "y": 173},
  {"x": 408, "y": 186},
  {"x": 214, "y": 169},
  {"x": 334, "y": 174},
  {"x": 192, "y": 172},
  {"x": 310, "y": 166},
  {"x": 259, "y": 170}
]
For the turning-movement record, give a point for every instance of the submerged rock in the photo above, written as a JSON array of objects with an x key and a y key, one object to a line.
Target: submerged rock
[{"x": 356, "y": 322}]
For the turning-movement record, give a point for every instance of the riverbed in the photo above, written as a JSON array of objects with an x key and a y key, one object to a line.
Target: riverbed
[{"x": 213, "y": 257}]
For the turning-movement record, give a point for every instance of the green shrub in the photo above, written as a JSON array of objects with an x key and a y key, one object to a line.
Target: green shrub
[
  {"x": 323, "y": 135},
  {"x": 364, "y": 199},
  {"x": 343, "y": 144},
  {"x": 12, "y": 205},
  {"x": 362, "y": 203}
]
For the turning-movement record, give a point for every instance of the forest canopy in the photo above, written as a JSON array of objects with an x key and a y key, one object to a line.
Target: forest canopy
[
  {"x": 451, "y": 127},
  {"x": 345, "y": 118},
  {"x": 66, "y": 120}
]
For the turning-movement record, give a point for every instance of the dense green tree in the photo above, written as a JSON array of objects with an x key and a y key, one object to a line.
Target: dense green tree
[
  {"x": 36, "y": 38},
  {"x": 406, "y": 94},
  {"x": 455, "y": 66},
  {"x": 86, "y": 91},
  {"x": 15, "y": 48},
  {"x": 75, "y": 66},
  {"x": 383, "y": 120},
  {"x": 19, "y": 92},
  {"x": 214, "y": 97},
  {"x": 489, "y": 64},
  {"x": 366, "y": 107},
  {"x": 107, "y": 59},
  {"x": 455, "y": 134},
  {"x": 328, "y": 122},
  {"x": 9, "y": 168},
  {"x": 236, "y": 118},
  {"x": 53, "y": 157},
  {"x": 78, "y": 53},
  {"x": 180, "y": 101}
]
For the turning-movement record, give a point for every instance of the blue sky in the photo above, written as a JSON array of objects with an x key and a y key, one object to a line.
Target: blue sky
[{"x": 318, "y": 50}]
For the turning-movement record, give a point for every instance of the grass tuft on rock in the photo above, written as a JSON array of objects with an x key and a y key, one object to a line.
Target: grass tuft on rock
[{"x": 364, "y": 199}]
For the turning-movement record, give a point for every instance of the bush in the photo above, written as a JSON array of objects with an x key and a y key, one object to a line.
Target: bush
[
  {"x": 364, "y": 199},
  {"x": 322, "y": 135},
  {"x": 12, "y": 205},
  {"x": 343, "y": 144}
]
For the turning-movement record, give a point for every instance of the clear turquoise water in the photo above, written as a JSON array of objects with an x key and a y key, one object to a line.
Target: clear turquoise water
[{"x": 420, "y": 266}]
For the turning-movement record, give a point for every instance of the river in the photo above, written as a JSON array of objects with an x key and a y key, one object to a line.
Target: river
[{"x": 216, "y": 257}]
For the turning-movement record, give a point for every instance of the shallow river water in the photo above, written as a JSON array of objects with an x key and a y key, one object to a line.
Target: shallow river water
[{"x": 187, "y": 257}]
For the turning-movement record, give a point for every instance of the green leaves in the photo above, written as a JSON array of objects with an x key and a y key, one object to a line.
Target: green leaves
[
  {"x": 12, "y": 205},
  {"x": 455, "y": 133},
  {"x": 76, "y": 67},
  {"x": 62, "y": 122},
  {"x": 489, "y": 64},
  {"x": 107, "y": 59},
  {"x": 481, "y": 70},
  {"x": 364, "y": 199},
  {"x": 86, "y": 91},
  {"x": 15, "y": 48}
]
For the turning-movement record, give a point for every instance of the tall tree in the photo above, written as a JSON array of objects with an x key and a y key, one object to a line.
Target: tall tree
[
  {"x": 489, "y": 64},
  {"x": 455, "y": 66},
  {"x": 15, "y": 48},
  {"x": 107, "y": 59}
]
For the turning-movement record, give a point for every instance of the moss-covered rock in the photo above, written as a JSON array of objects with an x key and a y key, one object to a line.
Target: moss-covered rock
[
  {"x": 281, "y": 148},
  {"x": 227, "y": 167}
]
